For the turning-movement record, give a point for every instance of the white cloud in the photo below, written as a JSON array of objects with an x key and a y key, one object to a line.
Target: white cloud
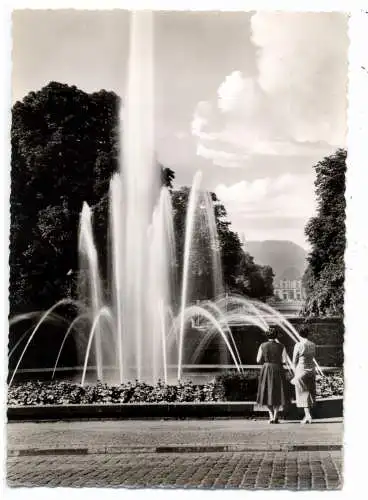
[
  {"x": 237, "y": 93},
  {"x": 296, "y": 105},
  {"x": 269, "y": 208},
  {"x": 220, "y": 155},
  {"x": 302, "y": 63},
  {"x": 286, "y": 196},
  {"x": 211, "y": 147}
]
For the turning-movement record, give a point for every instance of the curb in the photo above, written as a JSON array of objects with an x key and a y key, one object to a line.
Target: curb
[{"x": 106, "y": 450}]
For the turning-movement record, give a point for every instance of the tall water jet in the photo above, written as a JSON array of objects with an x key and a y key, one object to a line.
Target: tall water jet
[
  {"x": 138, "y": 176},
  {"x": 90, "y": 286},
  {"x": 141, "y": 218},
  {"x": 208, "y": 220},
  {"x": 208, "y": 245},
  {"x": 116, "y": 207},
  {"x": 159, "y": 288},
  {"x": 185, "y": 274},
  {"x": 202, "y": 277}
]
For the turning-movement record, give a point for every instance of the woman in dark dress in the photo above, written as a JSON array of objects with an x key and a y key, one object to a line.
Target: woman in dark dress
[{"x": 272, "y": 385}]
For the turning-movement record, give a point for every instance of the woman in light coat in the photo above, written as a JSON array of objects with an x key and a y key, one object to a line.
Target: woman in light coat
[{"x": 305, "y": 376}]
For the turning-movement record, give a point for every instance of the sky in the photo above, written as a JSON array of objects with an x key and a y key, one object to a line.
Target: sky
[{"x": 252, "y": 99}]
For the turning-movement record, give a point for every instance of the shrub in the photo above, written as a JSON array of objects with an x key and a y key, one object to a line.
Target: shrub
[
  {"x": 228, "y": 386},
  {"x": 330, "y": 385},
  {"x": 235, "y": 386}
]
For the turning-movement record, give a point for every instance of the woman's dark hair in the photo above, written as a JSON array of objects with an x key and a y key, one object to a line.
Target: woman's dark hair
[
  {"x": 272, "y": 333},
  {"x": 304, "y": 332}
]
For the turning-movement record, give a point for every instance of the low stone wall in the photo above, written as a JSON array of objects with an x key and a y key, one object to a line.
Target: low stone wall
[
  {"x": 325, "y": 408},
  {"x": 327, "y": 334},
  {"x": 323, "y": 330}
]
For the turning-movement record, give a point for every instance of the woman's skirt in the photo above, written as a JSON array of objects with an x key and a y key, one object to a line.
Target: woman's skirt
[
  {"x": 305, "y": 387},
  {"x": 272, "y": 386}
]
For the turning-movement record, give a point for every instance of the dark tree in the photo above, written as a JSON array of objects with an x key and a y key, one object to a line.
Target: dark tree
[
  {"x": 64, "y": 151},
  {"x": 324, "y": 276}
]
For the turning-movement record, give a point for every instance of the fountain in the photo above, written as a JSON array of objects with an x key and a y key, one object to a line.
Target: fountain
[{"x": 141, "y": 330}]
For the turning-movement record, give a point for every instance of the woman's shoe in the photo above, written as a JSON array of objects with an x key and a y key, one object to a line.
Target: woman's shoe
[
  {"x": 306, "y": 420},
  {"x": 276, "y": 421},
  {"x": 271, "y": 421}
]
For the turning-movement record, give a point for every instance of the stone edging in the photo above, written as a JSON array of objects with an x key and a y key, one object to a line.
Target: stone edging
[
  {"x": 104, "y": 450},
  {"x": 325, "y": 408}
]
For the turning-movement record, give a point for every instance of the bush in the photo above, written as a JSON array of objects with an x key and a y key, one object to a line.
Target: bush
[
  {"x": 45, "y": 393},
  {"x": 228, "y": 386},
  {"x": 330, "y": 385},
  {"x": 235, "y": 386}
]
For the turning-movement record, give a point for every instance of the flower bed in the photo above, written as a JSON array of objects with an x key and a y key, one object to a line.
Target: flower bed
[
  {"x": 42, "y": 393},
  {"x": 330, "y": 385},
  {"x": 230, "y": 386}
]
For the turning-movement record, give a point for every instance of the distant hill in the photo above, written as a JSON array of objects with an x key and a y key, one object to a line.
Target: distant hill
[{"x": 287, "y": 259}]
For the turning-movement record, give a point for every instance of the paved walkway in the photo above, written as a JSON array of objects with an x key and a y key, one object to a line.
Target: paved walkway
[{"x": 224, "y": 453}]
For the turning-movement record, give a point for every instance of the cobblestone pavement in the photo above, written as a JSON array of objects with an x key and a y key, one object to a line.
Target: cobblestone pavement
[
  {"x": 274, "y": 470},
  {"x": 286, "y": 456},
  {"x": 122, "y": 433}
]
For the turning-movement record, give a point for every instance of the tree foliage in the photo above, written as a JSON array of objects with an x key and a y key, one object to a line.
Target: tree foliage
[
  {"x": 64, "y": 151},
  {"x": 324, "y": 276}
]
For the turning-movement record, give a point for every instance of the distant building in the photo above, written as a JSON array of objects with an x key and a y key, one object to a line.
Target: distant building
[
  {"x": 288, "y": 298},
  {"x": 288, "y": 262},
  {"x": 289, "y": 290}
]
